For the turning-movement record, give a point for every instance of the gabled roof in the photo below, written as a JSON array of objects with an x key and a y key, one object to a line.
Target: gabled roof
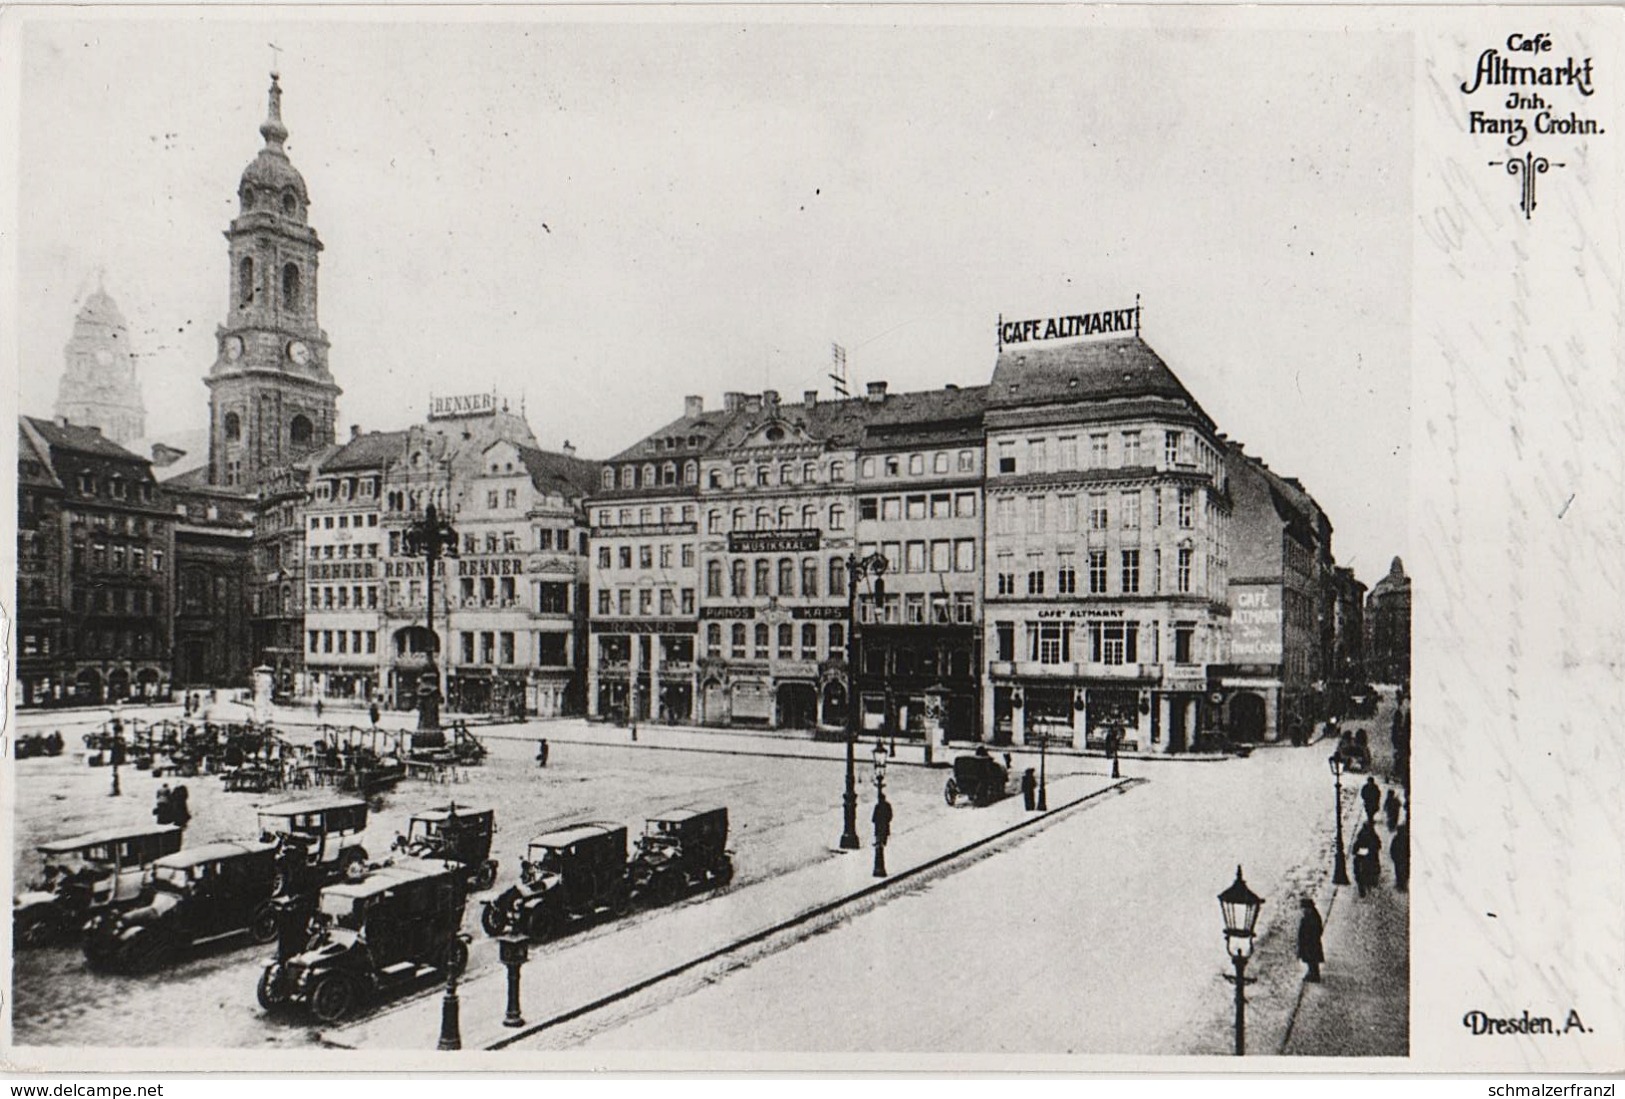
[
  {"x": 31, "y": 446},
  {"x": 82, "y": 440},
  {"x": 705, "y": 427},
  {"x": 374, "y": 450},
  {"x": 1088, "y": 370},
  {"x": 563, "y": 473}
]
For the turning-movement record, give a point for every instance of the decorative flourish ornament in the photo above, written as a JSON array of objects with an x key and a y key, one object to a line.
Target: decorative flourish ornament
[{"x": 1527, "y": 169}]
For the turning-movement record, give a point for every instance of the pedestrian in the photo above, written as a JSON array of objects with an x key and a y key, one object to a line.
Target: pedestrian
[
  {"x": 179, "y": 813},
  {"x": 1029, "y": 788},
  {"x": 1390, "y": 808},
  {"x": 1310, "y": 929},
  {"x": 541, "y": 752},
  {"x": 1371, "y": 794},
  {"x": 1367, "y": 857},
  {"x": 318, "y": 709},
  {"x": 1400, "y": 851},
  {"x": 162, "y": 810},
  {"x": 882, "y": 821},
  {"x": 372, "y": 712}
]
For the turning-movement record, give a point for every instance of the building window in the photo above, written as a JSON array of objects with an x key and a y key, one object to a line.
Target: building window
[
  {"x": 760, "y": 636},
  {"x": 737, "y": 586},
  {"x": 914, "y": 560},
  {"x": 1131, "y": 510},
  {"x": 1007, "y": 455},
  {"x": 1066, "y": 577},
  {"x": 837, "y": 517},
  {"x": 625, "y": 556},
  {"x": 1184, "y": 636},
  {"x": 1131, "y": 571},
  {"x": 1004, "y": 510},
  {"x": 245, "y": 280},
  {"x": 939, "y": 464},
  {"x": 1097, "y": 511},
  {"x": 891, "y": 508},
  {"x": 868, "y": 508},
  {"x": 1172, "y": 446},
  {"x": 1006, "y": 574},
  {"x": 713, "y": 578},
  {"x": 916, "y": 507},
  {"x": 738, "y": 649},
  {"x": 1035, "y": 580},
  {"x": 942, "y": 506},
  {"x": 787, "y": 576},
  {"x": 967, "y": 461},
  {"x": 668, "y": 602},
  {"x": 623, "y": 599},
  {"x": 787, "y": 641},
  {"x": 646, "y": 557},
  {"x": 965, "y": 555},
  {"x": 1187, "y": 509},
  {"x": 713, "y": 639},
  {"x": 1131, "y": 448},
  {"x": 646, "y": 599},
  {"x": 1183, "y": 575},
  {"x": 764, "y": 519},
  {"x": 965, "y": 505},
  {"x": 687, "y": 601},
  {"x": 1069, "y": 512},
  {"x": 941, "y": 556},
  {"x": 1097, "y": 572},
  {"x": 1067, "y": 455},
  {"x": 1037, "y": 455},
  {"x": 1049, "y": 642},
  {"x": 290, "y": 286},
  {"x": 837, "y": 576},
  {"x": 763, "y": 577},
  {"x": 809, "y": 577},
  {"x": 837, "y": 637},
  {"x": 300, "y": 431},
  {"x": 1114, "y": 642}
]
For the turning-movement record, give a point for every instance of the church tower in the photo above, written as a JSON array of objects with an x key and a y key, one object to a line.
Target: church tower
[
  {"x": 272, "y": 399},
  {"x": 99, "y": 387}
]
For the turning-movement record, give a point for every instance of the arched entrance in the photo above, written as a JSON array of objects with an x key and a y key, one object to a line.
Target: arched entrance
[
  {"x": 798, "y": 706},
  {"x": 835, "y": 704},
  {"x": 146, "y": 681},
  {"x": 87, "y": 687},
  {"x": 1247, "y": 716},
  {"x": 118, "y": 685}
]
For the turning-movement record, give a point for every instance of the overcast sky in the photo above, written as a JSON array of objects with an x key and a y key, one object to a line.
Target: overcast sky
[{"x": 601, "y": 218}]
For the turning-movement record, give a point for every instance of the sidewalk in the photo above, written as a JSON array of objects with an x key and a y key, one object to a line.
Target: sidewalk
[
  {"x": 1361, "y": 1007},
  {"x": 599, "y": 966}
]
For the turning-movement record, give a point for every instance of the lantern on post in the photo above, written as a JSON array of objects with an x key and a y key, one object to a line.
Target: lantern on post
[{"x": 1240, "y": 906}]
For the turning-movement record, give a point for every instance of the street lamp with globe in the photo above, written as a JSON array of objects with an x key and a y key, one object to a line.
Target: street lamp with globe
[
  {"x": 857, "y": 568},
  {"x": 1340, "y": 869},
  {"x": 1240, "y": 907},
  {"x": 882, "y": 811}
]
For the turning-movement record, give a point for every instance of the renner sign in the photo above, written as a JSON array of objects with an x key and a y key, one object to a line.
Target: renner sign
[{"x": 1255, "y": 624}]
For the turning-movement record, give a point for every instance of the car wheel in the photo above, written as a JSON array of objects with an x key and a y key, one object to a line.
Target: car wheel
[
  {"x": 269, "y": 994},
  {"x": 353, "y": 864},
  {"x": 37, "y": 929},
  {"x": 144, "y": 953},
  {"x": 454, "y": 958},
  {"x": 485, "y": 877},
  {"x": 263, "y": 928},
  {"x": 496, "y": 920},
  {"x": 950, "y": 792},
  {"x": 332, "y": 998},
  {"x": 668, "y": 887},
  {"x": 540, "y": 923},
  {"x": 725, "y": 871}
]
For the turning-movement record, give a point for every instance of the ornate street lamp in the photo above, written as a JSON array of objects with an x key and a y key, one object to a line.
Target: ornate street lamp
[
  {"x": 430, "y": 538},
  {"x": 1240, "y": 906},
  {"x": 857, "y": 568},
  {"x": 1340, "y": 869},
  {"x": 514, "y": 950}
]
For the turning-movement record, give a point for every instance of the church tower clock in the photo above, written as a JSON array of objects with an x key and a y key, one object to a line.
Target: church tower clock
[{"x": 272, "y": 399}]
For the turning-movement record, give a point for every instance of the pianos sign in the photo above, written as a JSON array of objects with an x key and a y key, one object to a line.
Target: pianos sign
[{"x": 1255, "y": 624}]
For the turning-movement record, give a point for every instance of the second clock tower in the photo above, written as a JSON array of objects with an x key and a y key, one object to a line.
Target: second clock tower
[{"x": 272, "y": 399}]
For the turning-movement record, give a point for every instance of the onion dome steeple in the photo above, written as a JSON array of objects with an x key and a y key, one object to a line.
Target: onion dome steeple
[{"x": 271, "y": 182}]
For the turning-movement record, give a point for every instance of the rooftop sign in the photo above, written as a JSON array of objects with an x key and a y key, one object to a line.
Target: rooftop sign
[
  {"x": 1105, "y": 322},
  {"x": 473, "y": 404}
]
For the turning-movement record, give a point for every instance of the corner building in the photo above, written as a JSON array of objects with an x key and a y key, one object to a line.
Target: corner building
[{"x": 1106, "y": 549}]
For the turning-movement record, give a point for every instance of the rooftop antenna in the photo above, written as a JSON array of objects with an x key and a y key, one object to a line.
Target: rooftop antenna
[
  {"x": 1136, "y": 314},
  {"x": 276, "y": 59},
  {"x": 999, "y": 333},
  {"x": 837, "y": 372}
]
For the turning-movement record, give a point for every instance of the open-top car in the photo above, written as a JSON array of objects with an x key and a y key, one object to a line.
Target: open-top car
[
  {"x": 569, "y": 874},
  {"x": 396, "y": 927},
  {"x": 680, "y": 851},
  {"x": 87, "y": 875},
  {"x": 454, "y": 833},
  {"x": 192, "y": 897},
  {"x": 317, "y": 838},
  {"x": 978, "y": 778}
]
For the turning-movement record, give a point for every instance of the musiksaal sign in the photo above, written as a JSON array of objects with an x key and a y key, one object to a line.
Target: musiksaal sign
[
  {"x": 1255, "y": 624},
  {"x": 773, "y": 541},
  {"x": 1063, "y": 328}
]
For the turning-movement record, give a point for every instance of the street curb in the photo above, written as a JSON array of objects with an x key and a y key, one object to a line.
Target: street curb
[
  {"x": 805, "y": 916},
  {"x": 800, "y": 918}
]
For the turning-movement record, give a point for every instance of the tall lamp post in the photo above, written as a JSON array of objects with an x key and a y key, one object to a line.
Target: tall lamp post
[
  {"x": 1240, "y": 907},
  {"x": 857, "y": 568},
  {"x": 1340, "y": 870},
  {"x": 882, "y": 815},
  {"x": 1043, "y": 773},
  {"x": 430, "y": 538}
]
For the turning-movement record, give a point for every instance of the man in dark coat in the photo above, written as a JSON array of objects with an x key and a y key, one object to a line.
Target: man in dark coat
[
  {"x": 541, "y": 752},
  {"x": 1310, "y": 929},
  {"x": 1029, "y": 788},
  {"x": 1390, "y": 808},
  {"x": 882, "y": 821},
  {"x": 1371, "y": 794},
  {"x": 372, "y": 712},
  {"x": 1367, "y": 857},
  {"x": 1400, "y": 851},
  {"x": 163, "y": 811}
]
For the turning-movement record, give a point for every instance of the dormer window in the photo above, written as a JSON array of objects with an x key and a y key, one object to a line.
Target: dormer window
[
  {"x": 609, "y": 478},
  {"x": 628, "y": 477},
  {"x": 691, "y": 473}
]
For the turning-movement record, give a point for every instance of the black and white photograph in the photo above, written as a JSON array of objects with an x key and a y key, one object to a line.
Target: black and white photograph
[{"x": 688, "y": 537}]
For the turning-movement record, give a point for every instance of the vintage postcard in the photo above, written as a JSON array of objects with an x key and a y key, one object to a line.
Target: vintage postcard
[{"x": 814, "y": 538}]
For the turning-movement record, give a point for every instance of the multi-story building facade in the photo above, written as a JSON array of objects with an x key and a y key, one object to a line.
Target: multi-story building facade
[
  {"x": 106, "y": 622},
  {"x": 778, "y": 524},
  {"x": 345, "y": 542},
  {"x": 517, "y": 617},
  {"x": 919, "y": 505},
  {"x": 213, "y": 530},
  {"x": 1388, "y": 627},
  {"x": 1348, "y": 627},
  {"x": 643, "y": 572},
  {"x": 277, "y": 577},
  {"x": 1106, "y": 548},
  {"x": 1280, "y": 602}
]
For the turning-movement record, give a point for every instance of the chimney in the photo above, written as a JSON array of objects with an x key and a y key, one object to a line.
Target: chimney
[
  {"x": 570, "y": 450},
  {"x": 876, "y": 393},
  {"x": 770, "y": 401},
  {"x": 809, "y": 398},
  {"x": 693, "y": 406},
  {"x": 355, "y": 431},
  {"x": 61, "y": 421},
  {"x": 753, "y": 402},
  {"x": 733, "y": 401}
]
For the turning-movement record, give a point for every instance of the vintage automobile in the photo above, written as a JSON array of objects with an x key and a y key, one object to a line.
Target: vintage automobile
[
  {"x": 978, "y": 779},
  {"x": 1354, "y": 750},
  {"x": 454, "y": 833},
  {"x": 317, "y": 838},
  {"x": 680, "y": 851},
  {"x": 397, "y": 926},
  {"x": 29, "y": 745},
  {"x": 570, "y": 874},
  {"x": 192, "y": 897},
  {"x": 87, "y": 875}
]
